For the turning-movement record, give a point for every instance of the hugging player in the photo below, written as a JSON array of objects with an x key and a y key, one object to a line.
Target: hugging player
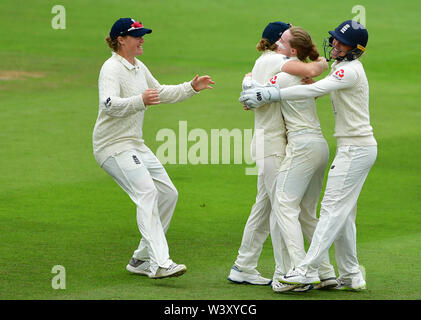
[{"x": 355, "y": 155}]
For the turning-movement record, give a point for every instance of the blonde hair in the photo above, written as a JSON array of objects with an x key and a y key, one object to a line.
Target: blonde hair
[
  {"x": 264, "y": 44},
  {"x": 113, "y": 44},
  {"x": 301, "y": 41}
]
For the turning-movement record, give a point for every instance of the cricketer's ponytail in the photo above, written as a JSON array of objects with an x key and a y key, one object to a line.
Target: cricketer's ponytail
[
  {"x": 313, "y": 55},
  {"x": 301, "y": 41},
  {"x": 264, "y": 44}
]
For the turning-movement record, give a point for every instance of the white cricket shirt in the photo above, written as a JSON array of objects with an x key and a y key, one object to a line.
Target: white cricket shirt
[
  {"x": 300, "y": 114},
  {"x": 268, "y": 117},
  {"x": 121, "y": 110},
  {"x": 348, "y": 88}
]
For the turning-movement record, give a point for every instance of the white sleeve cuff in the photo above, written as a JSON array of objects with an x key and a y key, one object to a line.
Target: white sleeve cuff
[
  {"x": 191, "y": 89},
  {"x": 138, "y": 103}
]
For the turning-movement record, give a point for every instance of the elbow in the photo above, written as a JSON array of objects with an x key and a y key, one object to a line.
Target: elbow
[
  {"x": 314, "y": 73},
  {"x": 111, "y": 113},
  {"x": 315, "y": 69}
]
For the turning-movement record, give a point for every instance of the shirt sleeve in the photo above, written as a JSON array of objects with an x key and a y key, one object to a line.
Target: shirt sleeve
[
  {"x": 170, "y": 93},
  {"x": 340, "y": 79},
  {"x": 109, "y": 97}
]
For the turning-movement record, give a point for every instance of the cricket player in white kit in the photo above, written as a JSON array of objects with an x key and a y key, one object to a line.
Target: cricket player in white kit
[
  {"x": 126, "y": 88},
  {"x": 355, "y": 155},
  {"x": 268, "y": 150},
  {"x": 300, "y": 179}
]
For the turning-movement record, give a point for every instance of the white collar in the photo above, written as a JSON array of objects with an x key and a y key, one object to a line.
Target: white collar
[{"x": 126, "y": 63}]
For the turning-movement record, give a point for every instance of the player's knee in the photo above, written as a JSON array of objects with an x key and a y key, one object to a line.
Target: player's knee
[
  {"x": 289, "y": 203},
  {"x": 149, "y": 193},
  {"x": 307, "y": 219}
]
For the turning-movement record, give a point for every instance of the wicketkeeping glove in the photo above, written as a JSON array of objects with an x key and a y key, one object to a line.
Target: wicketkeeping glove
[
  {"x": 248, "y": 83},
  {"x": 260, "y": 95}
]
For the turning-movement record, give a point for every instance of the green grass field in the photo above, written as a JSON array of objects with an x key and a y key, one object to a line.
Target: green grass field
[{"x": 57, "y": 207}]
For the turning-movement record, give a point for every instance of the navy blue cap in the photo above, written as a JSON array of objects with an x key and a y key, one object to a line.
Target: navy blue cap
[
  {"x": 351, "y": 33},
  {"x": 274, "y": 31},
  {"x": 128, "y": 27}
]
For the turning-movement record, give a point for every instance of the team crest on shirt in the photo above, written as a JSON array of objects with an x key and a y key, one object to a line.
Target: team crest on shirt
[
  {"x": 339, "y": 74},
  {"x": 107, "y": 102}
]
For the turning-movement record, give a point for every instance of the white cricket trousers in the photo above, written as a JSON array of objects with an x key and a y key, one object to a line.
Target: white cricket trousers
[
  {"x": 298, "y": 189},
  {"x": 261, "y": 222},
  {"x": 346, "y": 177},
  {"x": 144, "y": 179}
]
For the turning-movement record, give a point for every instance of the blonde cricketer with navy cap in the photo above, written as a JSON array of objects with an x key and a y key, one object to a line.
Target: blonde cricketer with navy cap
[
  {"x": 355, "y": 155},
  {"x": 126, "y": 89}
]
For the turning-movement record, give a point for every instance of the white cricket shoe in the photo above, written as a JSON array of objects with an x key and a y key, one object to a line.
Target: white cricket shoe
[
  {"x": 355, "y": 284},
  {"x": 279, "y": 287},
  {"x": 238, "y": 276},
  {"x": 304, "y": 288},
  {"x": 139, "y": 267},
  {"x": 328, "y": 283},
  {"x": 296, "y": 277},
  {"x": 174, "y": 270}
]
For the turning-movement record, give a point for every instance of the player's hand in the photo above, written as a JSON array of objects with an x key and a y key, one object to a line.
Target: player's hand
[
  {"x": 323, "y": 62},
  {"x": 201, "y": 83},
  {"x": 259, "y": 95},
  {"x": 307, "y": 80},
  {"x": 150, "y": 97},
  {"x": 248, "y": 83}
]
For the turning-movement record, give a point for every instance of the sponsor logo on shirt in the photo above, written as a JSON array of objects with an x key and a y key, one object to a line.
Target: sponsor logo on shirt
[
  {"x": 339, "y": 74},
  {"x": 273, "y": 80}
]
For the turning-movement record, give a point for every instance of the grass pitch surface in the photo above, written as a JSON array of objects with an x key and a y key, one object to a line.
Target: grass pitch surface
[{"x": 57, "y": 207}]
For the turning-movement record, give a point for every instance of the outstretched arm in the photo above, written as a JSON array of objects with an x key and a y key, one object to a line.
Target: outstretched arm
[
  {"x": 302, "y": 69},
  {"x": 319, "y": 88},
  {"x": 179, "y": 92},
  {"x": 260, "y": 95}
]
